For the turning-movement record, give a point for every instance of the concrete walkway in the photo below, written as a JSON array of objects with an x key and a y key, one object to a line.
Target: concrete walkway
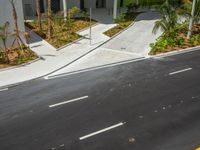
[
  {"x": 138, "y": 37},
  {"x": 53, "y": 59},
  {"x": 129, "y": 45}
]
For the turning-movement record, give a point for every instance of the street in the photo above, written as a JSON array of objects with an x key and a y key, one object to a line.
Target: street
[{"x": 149, "y": 104}]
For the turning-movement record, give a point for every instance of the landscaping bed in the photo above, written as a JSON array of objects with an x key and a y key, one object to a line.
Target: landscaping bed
[
  {"x": 16, "y": 57},
  {"x": 124, "y": 21},
  {"x": 63, "y": 32},
  {"x": 179, "y": 41}
]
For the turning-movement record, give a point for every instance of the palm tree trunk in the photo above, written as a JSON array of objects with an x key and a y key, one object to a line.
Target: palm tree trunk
[
  {"x": 49, "y": 13},
  {"x": 6, "y": 51},
  {"x": 38, "y": 14},
  {"x": 16, "y": 29}
]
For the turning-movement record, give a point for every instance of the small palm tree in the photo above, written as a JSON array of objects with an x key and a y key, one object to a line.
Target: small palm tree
[
  {"x": 186, "y": 9},
  {"x": 168, "y": 21},
  {"x": 197, "y": 12},
  {"x": 49, "y": 14},
  {"x": 17, "y": 31},
  {"x": 3, "y": 37},
  {"x": 38, "y": 14}
]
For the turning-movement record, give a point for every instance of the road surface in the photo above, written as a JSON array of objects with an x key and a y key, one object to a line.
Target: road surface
[{"x": 150, "y": 104}]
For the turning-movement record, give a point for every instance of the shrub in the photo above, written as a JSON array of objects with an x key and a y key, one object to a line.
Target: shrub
[
  {"x": 180, "y": 41},
  {"x": 85, "y": 13},
  {"x": 73, "y": 11},
  {"x": 131, "y": 7},
  {"x": 121, "y": 18}
]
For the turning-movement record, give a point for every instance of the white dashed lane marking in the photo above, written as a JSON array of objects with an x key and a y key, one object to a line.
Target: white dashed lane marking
[
  {"x": 101, "y": 131},
  {"x": 69, "y": 101},
  {"x": 5, "y": 89},
  {"x": 180, "y": 71}
]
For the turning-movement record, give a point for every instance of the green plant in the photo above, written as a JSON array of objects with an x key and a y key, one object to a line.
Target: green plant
[
  {"x": 168, "y": 21},
  {"x": 131, "y": 7},
  {"x": 120, "y": 18},
  {"x": 69, "y": 24},
  {"x": 180, "y": 41},
  {"x": 85, "y": 14},
  {"x": 73, "y": 11},
  {"x": 3, "y": 37}
]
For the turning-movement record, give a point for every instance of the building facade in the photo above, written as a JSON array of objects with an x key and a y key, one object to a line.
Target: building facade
[
  {"x": 57, "y": 5},
  {"x": 6, "y": 16}
]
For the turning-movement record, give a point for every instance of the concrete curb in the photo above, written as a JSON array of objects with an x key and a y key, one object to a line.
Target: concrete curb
[
  {"x": 21, "y": 65},
  {"x": 98, "y": 67},
  {"x": 112, "y": 37},
  {"x": 15, "y": 84},
  {"x": 91, "y": 50},
  {"x": 181, "y": 51}
]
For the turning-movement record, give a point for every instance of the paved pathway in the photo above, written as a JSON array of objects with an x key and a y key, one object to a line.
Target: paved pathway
[
  {"x": 52, "y": 59},
  {"x": 138, "y": 37},
  {"x": 131, "y": 44}
]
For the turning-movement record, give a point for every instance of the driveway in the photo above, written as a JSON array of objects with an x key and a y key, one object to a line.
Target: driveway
[
  {"x": 137, "y": 38},
  {"x": 129, "y": 45}
]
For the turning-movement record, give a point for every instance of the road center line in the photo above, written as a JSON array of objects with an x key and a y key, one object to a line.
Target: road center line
[
  {"x": 101, "y": 131},
  {"x": 5, "y": 89},
  {"x": 180, "y": 71},
  {"x": 69, "y": 101}
]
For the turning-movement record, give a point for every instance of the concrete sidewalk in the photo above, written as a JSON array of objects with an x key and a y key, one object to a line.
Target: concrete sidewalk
[
  {"x": 138, "y": 37},
  {"x": 131, "y": 44},
  {"x": 53, "y": 59}
]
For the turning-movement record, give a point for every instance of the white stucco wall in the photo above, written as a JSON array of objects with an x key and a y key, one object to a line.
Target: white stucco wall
[{"x": 6, "y": 15}]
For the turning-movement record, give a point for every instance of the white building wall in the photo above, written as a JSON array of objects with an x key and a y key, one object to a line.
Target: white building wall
[{"x": 6, "y": 15}]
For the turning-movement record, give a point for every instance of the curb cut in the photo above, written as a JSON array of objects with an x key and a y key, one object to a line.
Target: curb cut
[
  {"x": 98, "y": 67},
  {"x": 42, "y": 76}
]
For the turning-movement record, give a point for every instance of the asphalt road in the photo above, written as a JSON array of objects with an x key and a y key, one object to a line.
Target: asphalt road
[{"x": 151, "y": 104}]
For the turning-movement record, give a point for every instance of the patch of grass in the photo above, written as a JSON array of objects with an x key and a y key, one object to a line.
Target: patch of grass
[
  {"x": 179, "y": 41},
  {"x": 124, "y": 21},
  {"x": 63, "y": 32},
  {"x": 17, "y": 57}
]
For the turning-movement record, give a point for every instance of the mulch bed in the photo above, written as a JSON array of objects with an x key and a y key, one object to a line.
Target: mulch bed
[{"x": 63, "y": 34}]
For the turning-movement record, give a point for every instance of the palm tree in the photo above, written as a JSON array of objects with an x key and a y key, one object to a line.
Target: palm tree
[
  {"x": 168, "y": 21},
  {"x": 197, "y": 12},
  {"x": 187, "y": 8},
  {"x": 38, "y": 14},
  {"x": 49, "y": 14},
  {"x": 3, "y": 37},
  {"x": 17, "y": 31}
]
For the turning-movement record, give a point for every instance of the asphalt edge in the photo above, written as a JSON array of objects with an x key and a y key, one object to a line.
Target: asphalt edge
[{"x": 177, "y": 52}]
